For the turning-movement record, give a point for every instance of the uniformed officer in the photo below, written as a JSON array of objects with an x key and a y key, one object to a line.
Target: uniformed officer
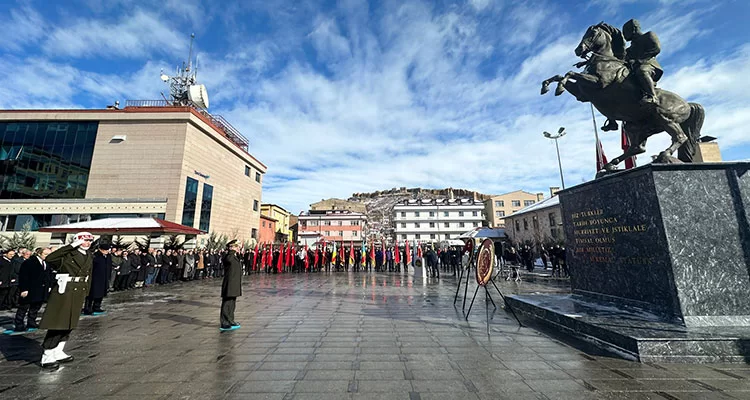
[
  {"x": 231, "y": 287},
  {"x": 73, "y": 264}
]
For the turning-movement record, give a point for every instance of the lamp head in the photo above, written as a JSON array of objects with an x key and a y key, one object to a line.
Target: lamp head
[
  {"x": 561, "y": 130},
  {"x": 547, "y": 134}
]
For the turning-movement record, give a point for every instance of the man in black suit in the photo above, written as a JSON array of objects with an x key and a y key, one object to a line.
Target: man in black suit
[
  {"x": 101, "y": 268},
  {"x": 6, "y": 271},
  {"x": 33, "y": 287}
]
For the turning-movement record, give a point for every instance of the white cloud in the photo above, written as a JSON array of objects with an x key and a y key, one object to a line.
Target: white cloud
[
  {"x": 24, "y": 27},
  {"x": 137, "y": 35}
]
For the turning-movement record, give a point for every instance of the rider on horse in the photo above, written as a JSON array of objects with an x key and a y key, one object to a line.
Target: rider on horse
[{"x": 641, "y": 55}]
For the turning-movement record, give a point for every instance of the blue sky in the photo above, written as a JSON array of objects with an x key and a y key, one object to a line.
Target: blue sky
[{"x": 351, "y": 96}]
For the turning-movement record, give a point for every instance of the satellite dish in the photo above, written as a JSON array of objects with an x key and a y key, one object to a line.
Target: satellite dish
[{"x": 198, "y": 95}]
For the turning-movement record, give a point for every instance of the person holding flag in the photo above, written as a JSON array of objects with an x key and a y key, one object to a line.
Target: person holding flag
[
  {"x": 255, "y": 255},
  {"x": 351, "y": 254},
  {"x": 407, "y": 257},
  {"x": 307, "y": 259},
  {"x": 397, "y": 257},
  {"x": 316, "y": 257},
  {"x": 334, "y": 255}
]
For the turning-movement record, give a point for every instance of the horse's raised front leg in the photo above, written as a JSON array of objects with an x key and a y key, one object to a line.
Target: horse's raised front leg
[
  {"x": 545, "y": 84},
  {"x": 578, "y": 77}
]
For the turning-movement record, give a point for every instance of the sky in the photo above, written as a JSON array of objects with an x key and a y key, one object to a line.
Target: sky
[{"x": 337, "y": 97}]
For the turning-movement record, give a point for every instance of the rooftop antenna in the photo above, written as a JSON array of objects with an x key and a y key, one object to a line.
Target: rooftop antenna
[{"x": 184, "y": 89}]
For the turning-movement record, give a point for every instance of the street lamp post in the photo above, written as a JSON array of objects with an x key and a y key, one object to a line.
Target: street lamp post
[{"x": 560, "y": 133}]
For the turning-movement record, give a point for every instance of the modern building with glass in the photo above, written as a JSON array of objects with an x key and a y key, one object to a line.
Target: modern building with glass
[{"x": 148, "y": 159}]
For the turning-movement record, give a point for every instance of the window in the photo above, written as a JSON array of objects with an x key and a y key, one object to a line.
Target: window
[
  {"x": 257, "y": 177},
  {"x": 447, "y": 224},
  {"x": 354, "y": 233},
  {"x": 474, "y": 213},
  {"x": 303, "y": 224},
  {"x": 416, "y": 213},
  {"x": 264, "y": 224},
  {"x": 403, "y": 237},
  {"x": 446, "y": 213},
  {"x": 46, "y": 159},
  {"x": 499, "y": 203},
  {"x": 403, "y": 214},
  {"x": 516, "y": 203},
  {"x": 327, "y": 233},
  {"x": 535, "y": 222},
  {"x": 432, "y": 224},
  {"x": 447, "y": 236},
  {"x": 502, "y": 213},
  {"x": 355, "y": 223},
  {"x": 403, "y": 225},
  {"x": 552, "y": 220},
  {"x": 417, "y": 236},
  {"x": 461, "y": 224},
  {"x": 188, "y": 205},
  {"x": 416, "y": 224},
  {"x": 497, "y": 214},
  {"x": 476, "y": 224},
  {"x": 247, "y": 170},
  {"x": 460, "y": 213},
  {"x": 255, "y": 205},
  {"x": 208, "y": 196},
  {"x": 527, "y": 203},
  {"x": 525, "y": 224},
  {"x": 341, "y": 223},
  {"x": 432, "y": 236},
  {"x": 518, "y": 226},
  {"x": 313, "y": 223},
  {"x": 341, "y": 233},
  {"x": 554, "y": 232},
  {"x": 432, "y": 213},
  {"x": 254, "y": 233}
]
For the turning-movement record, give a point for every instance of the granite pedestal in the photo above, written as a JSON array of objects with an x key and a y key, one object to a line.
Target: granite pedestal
[{"x": 659, "y": 247}]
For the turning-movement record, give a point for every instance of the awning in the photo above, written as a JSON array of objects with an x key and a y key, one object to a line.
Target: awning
[
  {"x": 482, "y": 232},
  {"x": 133, "y": 226}
]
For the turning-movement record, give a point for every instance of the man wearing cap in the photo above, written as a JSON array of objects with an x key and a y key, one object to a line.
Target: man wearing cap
[
  {"x": 73, "y": 264},
  {"x": 231, "y": 287},
  {"x": 101, "y": 268}
]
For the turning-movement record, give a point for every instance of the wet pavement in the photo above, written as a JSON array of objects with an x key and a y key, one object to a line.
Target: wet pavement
[{"x": 337, "y": 336}]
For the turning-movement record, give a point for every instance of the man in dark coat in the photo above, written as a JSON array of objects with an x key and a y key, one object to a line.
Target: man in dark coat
[
  {"x": 33, "y": 285},
  {"x": 73, "y": 264},
  {"x": 102, "y": 265},
  {"x": 123, "y": 273},
  {"x": 6, "y": 271},
  {"x": 231, "y": 287}
]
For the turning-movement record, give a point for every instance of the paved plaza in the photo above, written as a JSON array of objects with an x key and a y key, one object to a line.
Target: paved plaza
[{"x": 336, "y": 336}]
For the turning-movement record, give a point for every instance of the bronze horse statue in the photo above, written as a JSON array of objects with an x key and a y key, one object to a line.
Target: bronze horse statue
[{"x": 608, "y": 84}]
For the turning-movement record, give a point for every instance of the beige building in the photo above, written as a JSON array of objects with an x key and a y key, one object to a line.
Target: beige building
[
  {"x": 497, "y": 208},
  {"x": 281, "y": 216},
  {"x": 539, "y": 223},
  {"x": 148, "y": 159},
  {"x": 338, "y": 204}
]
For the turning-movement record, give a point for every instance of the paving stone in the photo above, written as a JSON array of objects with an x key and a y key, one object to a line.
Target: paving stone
[{"x": 317, "y": 333}]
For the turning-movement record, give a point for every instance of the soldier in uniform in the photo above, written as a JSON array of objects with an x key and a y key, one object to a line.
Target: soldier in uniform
[
  {"x": 231, "y": 287},
  {"x": 641, "y": 55},
  {"x": 73, "y": 264}
]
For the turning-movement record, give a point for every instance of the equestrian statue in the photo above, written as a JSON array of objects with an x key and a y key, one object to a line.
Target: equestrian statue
[{"x": 621, "y": 83}]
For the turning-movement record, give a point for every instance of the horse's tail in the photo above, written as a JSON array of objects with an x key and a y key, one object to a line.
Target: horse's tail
[{"x": 692, "y": 128}]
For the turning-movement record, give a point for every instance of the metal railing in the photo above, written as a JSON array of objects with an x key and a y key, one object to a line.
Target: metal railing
[{"x": 217, "y": 121}]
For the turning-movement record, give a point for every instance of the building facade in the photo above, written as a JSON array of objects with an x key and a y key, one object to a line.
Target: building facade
[
  {"x": 435, "y": 220},
  {"x": 331, "y": 225},
  {"x": 538, "y": 224},
  {"x": 176, "y": 163},
  {"x": 497, "y": 208},
  {"x": 268, "y": 226},
  {"x": 282, "y": 216}
]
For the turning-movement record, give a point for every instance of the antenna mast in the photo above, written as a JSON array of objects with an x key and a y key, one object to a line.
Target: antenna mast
[{"x": 183, "y": 87}]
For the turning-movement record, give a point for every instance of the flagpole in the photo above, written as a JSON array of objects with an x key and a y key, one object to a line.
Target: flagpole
[{"x": 596, "y": 135}]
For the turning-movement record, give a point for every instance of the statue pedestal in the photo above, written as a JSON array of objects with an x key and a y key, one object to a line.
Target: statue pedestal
[{"x": 670, "y": 243}]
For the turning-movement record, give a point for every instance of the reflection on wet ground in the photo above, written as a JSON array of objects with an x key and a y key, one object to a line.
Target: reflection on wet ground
[{"x": 337, "y": 335}]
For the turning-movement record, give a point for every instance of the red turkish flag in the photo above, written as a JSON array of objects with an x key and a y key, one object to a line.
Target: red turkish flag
[
  {"x": 396, "y": 254},
  {"x": 630, "y": 162},
  {"x": 408, "y": 253},
  {"x": 601, "y": 159},
  {"x": 307, "y": 261},
  {"x": 255, "y": 256}
]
